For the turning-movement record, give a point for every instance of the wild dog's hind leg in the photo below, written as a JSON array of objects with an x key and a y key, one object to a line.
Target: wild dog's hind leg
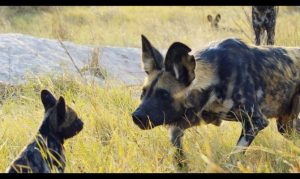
[
  {"x": 287, "y": 125},
  {"x": 253, "y": 121},
  {"x": 176, "y": 137},
  {"x": 295, "y": 113}
]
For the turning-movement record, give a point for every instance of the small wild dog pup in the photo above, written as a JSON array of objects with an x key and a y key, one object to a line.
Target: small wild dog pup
[
  {"x": 46, "y": 150},
  {"x": 214, "y": 21},
  {"x": 228, "y": 80}
]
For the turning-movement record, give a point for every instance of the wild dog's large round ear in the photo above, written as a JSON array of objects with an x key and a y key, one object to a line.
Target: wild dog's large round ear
[
  {"x": 151, "y": 57},
  {"x": 61, "y": 110},
  {"x": 180, "y": 64},
  {"x": 48, "y": 99},
  {"x": 218, "y": 17},
  {"x": 209, "y": 18}
]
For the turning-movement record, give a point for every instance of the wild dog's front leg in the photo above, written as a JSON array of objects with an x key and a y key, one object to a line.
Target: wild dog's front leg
[
  {"x": 270, "y": 35},
  {"x": 257, "y": 30},
  {"x": 176, "y": 137},
  {"x": 253, "y": 121}
]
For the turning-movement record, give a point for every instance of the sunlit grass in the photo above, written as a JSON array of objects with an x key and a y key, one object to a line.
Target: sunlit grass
[{"x": 110, "y": 142}]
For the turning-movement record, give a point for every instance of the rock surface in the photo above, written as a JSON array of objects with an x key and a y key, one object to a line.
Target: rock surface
[{"x": 23, "y": 56}]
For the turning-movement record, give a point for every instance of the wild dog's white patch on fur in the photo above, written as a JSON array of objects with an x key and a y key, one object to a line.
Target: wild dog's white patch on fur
[
  {"x": 228, "y": 103},
  {"x": 231, "y": 85},
  {"x": 242, "y": 144},
  {"x": 47, "y": 113},
  {"x": 212, "y": 98},
  {"x": 217, "y": 107},
  {"x": 205, "y": 76},
  {"x": 259, "y": 94},
  {"x": 229, "y": 90},
  {"x": 203, "y": 83},
  {"x": 176, "y": 71}
]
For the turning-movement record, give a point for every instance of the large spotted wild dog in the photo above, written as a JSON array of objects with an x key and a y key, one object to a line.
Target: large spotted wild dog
[
  {"x": 264, "y": 20},
  {"x": 228, "y": 80},
  {"x": 46, "y": 153}
]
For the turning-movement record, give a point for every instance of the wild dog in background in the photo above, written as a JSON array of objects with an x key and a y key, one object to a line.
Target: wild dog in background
[
  {"x": 264, "y": 19},
  {"x": 228, "y": 80},
  {"x": 46, "y": 150},
  {"x": 214, "y": 22}
]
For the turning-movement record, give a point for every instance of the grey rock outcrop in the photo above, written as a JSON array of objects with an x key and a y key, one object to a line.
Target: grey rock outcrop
[{"x": 24, "y": 56}]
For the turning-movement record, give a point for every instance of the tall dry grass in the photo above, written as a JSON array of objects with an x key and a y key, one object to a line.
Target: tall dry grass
[
  {"x": 110, "y": 142},
  {"x": 122, "y": 26}
]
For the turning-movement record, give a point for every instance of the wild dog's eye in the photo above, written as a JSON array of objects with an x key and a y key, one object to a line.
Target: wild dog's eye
[
  {"x": 163, "y": 93},
  {"x": 166, "y": 94}
]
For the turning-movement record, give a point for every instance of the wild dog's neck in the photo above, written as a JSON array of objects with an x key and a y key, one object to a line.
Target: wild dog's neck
[
  {"x": 53, "y": 143},
  {"x": 53, "y": 148},
  {"x": 47, "y": 133},
  {"x": 188, "y": 119},
  {"x": 56, "y": 148},
  {"x": 193, "y": 103},
  {"x": 50, "y": 137},
  {"x": 192, "y": 116}
]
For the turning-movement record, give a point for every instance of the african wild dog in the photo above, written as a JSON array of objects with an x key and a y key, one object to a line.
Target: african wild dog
[
  {"x": 264, "y": 19},
  {"x": 228, "y": 80},
  {"x": 214, "y": 22},
  {"x": 46, "y": 150}
]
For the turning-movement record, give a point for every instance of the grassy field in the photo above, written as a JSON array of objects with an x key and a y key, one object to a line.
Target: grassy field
[
  {"x": 110, "y": 142},
  {"x": 122, "y": 26}
]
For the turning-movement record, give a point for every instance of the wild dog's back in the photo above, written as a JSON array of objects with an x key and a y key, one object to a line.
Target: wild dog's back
[
  {"x": 29, "y": 161},
  {"x": 277, "y": 68},
  {"x": 233, "y": 68}
]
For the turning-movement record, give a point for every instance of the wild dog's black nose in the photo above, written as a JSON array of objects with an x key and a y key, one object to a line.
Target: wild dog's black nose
[
  {"x": 137, "y": 116},
  {"x": 79, "y": 124}
]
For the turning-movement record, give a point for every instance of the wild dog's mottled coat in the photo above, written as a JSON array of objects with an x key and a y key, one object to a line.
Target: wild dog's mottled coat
[
  {"x": 45, "y": 152},
  {"x": 228, "y": 80}
]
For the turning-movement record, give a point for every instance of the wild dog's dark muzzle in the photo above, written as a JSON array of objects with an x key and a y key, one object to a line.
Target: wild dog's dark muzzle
[
  {"x": 139, "y": 117},
  {"x": 79, "y": 125},
  {"x": 72, "y": 130}
]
